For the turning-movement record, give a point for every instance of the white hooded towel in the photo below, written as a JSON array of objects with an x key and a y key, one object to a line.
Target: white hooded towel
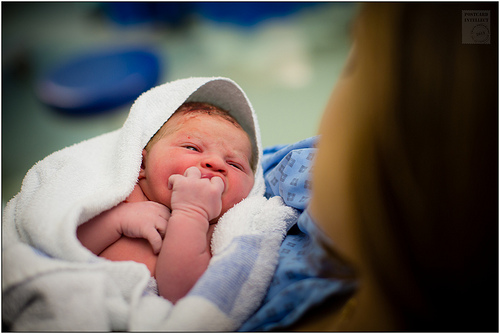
[{"x": 51, "y": 282}]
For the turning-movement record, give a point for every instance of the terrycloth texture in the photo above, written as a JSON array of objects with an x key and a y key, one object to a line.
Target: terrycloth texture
[{"x": 51, "y": 282}]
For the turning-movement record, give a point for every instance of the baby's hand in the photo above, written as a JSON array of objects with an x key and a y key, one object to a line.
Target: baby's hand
[
  {"x": 146, "y": 220},
  {"x": 193, "y": 194}
]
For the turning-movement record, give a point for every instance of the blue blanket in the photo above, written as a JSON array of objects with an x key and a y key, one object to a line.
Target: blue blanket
[{"x": 305, "y": 277}]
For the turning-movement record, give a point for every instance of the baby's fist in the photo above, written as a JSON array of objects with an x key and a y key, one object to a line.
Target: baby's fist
[{"x": 192, "y": 193}]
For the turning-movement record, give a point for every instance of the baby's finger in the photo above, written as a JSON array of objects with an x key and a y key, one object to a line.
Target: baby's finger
[
  {"x": 193, "y": 172},
  {"x": 161, "y": 227},
  {"x": 172, "y": 179},
  {"x": 218, "y": 183},
  {"x": 165, "y": 214},
  {"x": 162, "y": 210},
  {"x": 155, "y": 240}
]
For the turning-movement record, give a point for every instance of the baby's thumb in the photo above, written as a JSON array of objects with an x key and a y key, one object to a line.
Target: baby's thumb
[{"x": 218, "y": 183}]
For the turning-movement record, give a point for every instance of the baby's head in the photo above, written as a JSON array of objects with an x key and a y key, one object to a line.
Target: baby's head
[
  {"x": 192, "y": 109},
  {"x": 204, "y": 136}
]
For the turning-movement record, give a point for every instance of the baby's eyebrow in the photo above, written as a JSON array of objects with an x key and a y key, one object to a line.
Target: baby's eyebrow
[{"x": 240, "y": 155}]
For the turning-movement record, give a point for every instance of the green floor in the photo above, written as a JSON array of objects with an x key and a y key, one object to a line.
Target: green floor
[{"x": 287, "y": 67}]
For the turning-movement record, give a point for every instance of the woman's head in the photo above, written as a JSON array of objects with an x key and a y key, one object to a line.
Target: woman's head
[{"x": 405, "y": 181}]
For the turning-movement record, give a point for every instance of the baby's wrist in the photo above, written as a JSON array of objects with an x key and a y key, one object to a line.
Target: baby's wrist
[{"x": 191, "y": 212}]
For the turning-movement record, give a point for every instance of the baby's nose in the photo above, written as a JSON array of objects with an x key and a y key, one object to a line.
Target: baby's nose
[{"x": 215, "y": 164}]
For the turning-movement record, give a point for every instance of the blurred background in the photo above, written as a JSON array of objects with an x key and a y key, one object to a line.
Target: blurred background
[{"x": 67, "y": 67}]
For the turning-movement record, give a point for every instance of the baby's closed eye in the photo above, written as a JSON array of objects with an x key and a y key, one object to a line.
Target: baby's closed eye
[{"x": 236, "y": 165}]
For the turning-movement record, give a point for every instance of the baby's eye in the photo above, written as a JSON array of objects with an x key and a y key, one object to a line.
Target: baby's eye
[
  {"x": 192, "y": 148},
  {"x": 237, "y": 166}
]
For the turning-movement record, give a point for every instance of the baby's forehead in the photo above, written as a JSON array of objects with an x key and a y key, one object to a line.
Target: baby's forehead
[
  {"x": 203, "y": 118},
  {"x": 179, "y": 119}
]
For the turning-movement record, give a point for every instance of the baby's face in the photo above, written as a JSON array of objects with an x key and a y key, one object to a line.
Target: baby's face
[{"x": 210, "y": 143}]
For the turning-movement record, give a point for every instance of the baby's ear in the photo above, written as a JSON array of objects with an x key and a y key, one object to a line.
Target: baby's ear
[{"x": 142, "y": 172}]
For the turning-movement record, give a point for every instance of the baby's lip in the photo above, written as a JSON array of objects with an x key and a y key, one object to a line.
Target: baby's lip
[{"x": 207, "y": 175}]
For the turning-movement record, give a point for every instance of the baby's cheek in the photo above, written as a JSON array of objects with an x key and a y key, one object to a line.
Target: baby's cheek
[
  {"x": 228, "y": 203},
  {"x": 166, "y": 198},
  {"x": 168, "y": 202},
  {"x": 234, "y": 195}
]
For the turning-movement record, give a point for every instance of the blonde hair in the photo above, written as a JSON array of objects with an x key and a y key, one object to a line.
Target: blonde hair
[{"x": 198, "y": 108}]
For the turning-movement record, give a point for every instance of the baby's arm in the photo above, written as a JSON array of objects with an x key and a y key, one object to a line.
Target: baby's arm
[
  {"x": 146, "y": 220},
  {"x": 185, "y": 253}
]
